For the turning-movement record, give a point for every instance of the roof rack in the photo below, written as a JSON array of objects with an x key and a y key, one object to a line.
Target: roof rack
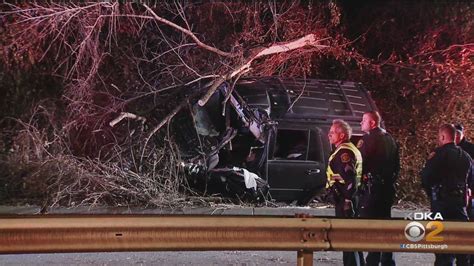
[{"x": 298, "y": 98}]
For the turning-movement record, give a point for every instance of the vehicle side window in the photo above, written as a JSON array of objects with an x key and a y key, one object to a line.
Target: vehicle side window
[
  {"x": 291, "y": 144},
  {"x": 315, "y": 147}
]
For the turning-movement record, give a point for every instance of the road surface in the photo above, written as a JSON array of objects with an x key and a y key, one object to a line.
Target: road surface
[{"x": 195, "y": 258}]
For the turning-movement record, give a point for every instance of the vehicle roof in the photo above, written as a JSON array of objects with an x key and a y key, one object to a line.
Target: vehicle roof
[{"x": 307, "y": 99}]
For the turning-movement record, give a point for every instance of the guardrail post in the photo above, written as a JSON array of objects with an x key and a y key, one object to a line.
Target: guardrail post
[{"x": 305, "y": 258}]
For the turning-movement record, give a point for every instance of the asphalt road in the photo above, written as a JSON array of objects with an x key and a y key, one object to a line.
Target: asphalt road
[{"x": 195, "y": 258}]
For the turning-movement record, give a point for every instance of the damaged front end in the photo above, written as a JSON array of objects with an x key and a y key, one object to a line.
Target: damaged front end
[{"x": 224, "y": 145}]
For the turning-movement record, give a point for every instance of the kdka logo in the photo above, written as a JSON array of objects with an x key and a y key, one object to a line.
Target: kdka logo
[{"x": 415, "y": 231}]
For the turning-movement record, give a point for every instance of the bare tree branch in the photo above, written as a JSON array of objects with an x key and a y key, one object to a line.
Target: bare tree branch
[
  {"x": 308, "y": 40},
  {"x": 162, "y": 123},
  {"x": 189, "y": 33},
  {"x": 126, "y": 115}
]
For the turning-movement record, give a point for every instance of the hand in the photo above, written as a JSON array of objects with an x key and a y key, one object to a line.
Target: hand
[
  {"x": 347, "y": 205},
  {"x": 336, "y": 177},
  {"x": 365, "y": 178}
]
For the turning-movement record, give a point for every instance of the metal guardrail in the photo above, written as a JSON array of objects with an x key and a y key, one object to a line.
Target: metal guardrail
[{"x": 48, "y": 234}]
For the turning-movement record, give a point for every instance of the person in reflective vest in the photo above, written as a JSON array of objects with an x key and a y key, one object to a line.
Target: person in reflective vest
[{"x": 343, "y": 173}]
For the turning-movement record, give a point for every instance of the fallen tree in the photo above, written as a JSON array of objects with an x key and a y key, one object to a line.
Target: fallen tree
[{"x": 105, "y": 80}]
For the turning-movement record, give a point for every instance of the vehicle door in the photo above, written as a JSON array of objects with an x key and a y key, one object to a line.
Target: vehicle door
[{"x": 296, "y": 167}]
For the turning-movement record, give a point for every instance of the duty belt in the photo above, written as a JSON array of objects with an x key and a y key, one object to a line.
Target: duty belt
[
  {"x": 378, "y": 180},
  {"x": 440, "y": 191}
]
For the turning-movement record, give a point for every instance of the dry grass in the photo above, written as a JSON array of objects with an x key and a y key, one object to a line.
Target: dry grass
[{"x": 46, "y": 171}]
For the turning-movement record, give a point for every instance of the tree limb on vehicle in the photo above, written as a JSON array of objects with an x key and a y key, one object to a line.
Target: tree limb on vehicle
[{"x": 308, "y": 40}]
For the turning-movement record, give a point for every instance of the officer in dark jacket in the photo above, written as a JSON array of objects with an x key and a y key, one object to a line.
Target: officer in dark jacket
[
  {"x": 468, "y": 147},
  {"x": 381, "y": 165},
  {"x": 343, "y": 173},
  {"x": 444, "y": 179},
  {"x": 462, "y": 142}
]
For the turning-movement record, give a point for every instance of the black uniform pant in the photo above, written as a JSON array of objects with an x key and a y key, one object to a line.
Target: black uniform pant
[
  {"x": 470, "y": 211},
  {"x": 354, "y": 258},
  {"x": 454, "y": 210},
  {"x": 471, "y": 219},
  {"x": 378, "y": 205}
]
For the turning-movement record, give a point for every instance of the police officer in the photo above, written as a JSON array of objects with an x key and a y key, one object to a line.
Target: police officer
[
  {"x": 381, "y": 165},
  {"x": 343, "y": 173},
  {"x": 462, "y": 142},
  {"x": 468, "y": 147},
  {"x": 444, "y": 178}
]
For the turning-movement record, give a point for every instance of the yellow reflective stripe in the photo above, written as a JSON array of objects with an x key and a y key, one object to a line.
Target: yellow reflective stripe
[
  {"x": 329, "y": 174},
  {"x": 357, "y": 154}
]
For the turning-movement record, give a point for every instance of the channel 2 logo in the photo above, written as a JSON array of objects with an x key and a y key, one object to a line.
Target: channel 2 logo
[{"x": 415, "y": 231}]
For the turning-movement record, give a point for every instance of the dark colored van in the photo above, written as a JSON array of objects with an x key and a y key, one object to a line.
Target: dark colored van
[
  {"x": 303, "y": 109},
  {"x": 273, "y": 127}
]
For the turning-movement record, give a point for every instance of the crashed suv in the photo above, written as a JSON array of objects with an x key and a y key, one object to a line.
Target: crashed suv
[{"x": 266, "y": 138}]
